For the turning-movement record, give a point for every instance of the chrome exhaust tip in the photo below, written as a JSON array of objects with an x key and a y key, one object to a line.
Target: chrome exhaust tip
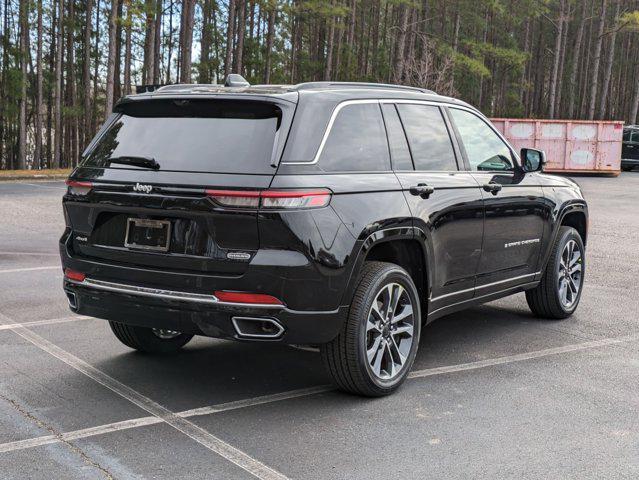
[
  {"x": 257, "y": 328},
  {"x": 72, "y": 299}
]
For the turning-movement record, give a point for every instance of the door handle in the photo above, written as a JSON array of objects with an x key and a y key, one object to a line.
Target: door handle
[
  {"x": 422, "y": 190},
  {"x": 492, "y": 187}
]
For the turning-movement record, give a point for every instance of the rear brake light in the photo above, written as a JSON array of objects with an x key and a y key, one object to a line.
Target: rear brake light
[
  {"x": 78, "y": 188},
  {"x": 251, "y": 298},
  {"x": 74, "y": 275},
  {"x": 271, "y": 199}
]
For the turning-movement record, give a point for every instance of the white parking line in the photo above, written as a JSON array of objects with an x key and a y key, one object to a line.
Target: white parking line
[
  {"x": 144, "y": 421},
  {"x": 37, "y": 254},
  {"x": 305, "y": 392},
  {"x": 522, "y": 356},
  {"x": 252, "y": 402},
  {"x": 35, "y": 323},
  {"x": 31, "y": 269},
  {"x": 204, "y": 438}
]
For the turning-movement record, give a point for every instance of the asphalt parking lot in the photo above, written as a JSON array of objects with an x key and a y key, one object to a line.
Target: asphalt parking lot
[{"x": 495, "y": 393}]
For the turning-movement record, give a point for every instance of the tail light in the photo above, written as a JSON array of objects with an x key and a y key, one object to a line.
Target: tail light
[
  {"x": 78, "y": 188},
  {"x": 250, "y": 298},
  {"x": 74, "y": 275},
  {"x": 271, "y": 199},
  {"x": 235, "y": 198},
  {"x": 295, "y": 199}
]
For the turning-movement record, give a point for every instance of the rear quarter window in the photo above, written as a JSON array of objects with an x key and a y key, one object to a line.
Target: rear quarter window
[{"x": 357, "y": 141}]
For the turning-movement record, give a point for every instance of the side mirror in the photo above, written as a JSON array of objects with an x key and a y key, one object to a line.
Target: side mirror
[{"x": 532, "y": 160}]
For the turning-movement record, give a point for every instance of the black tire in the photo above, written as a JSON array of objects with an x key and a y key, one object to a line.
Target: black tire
[
  {"x": 145, "y": 340},
  {"x": 544, "y": 300},
  {"x": 345, "y": 357},
  {"x": 626, "y": 169}
]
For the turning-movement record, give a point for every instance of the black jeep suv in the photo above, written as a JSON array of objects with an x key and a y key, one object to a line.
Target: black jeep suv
[
  {"x": 340, "y": 215},
  {"x": 630, "y": 148}
]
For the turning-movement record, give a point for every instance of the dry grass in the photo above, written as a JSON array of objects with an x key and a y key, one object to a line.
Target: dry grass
[{"x": 18, "y": 174}]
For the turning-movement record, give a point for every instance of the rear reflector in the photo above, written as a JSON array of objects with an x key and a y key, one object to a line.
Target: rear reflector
[
  {"x": 78, "y": 188},
  {"x": 74, "y": 275},
  {"x": 250, "y": 298},
  {"x": 271, "y": 199}
]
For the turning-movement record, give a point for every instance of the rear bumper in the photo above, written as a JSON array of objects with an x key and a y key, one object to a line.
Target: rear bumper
[
  {"x": 630, "y": 162},
  {"x": 196, "y": 316},
  {"x": 185, "y": 302}
]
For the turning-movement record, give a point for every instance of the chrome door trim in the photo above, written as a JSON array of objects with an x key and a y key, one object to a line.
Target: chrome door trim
[{"x": 488, "y": 285}]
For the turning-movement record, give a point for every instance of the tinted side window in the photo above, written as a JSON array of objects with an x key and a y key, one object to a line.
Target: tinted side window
[
  {"x": 635, "y": 136},
  {"x": 626, "y": 135},
  {"x": 400, "y": 154},
  {"x": 357, "y": 141},
  {"x": 428, "y": 137},
  {"x": 485, "y": 150}
]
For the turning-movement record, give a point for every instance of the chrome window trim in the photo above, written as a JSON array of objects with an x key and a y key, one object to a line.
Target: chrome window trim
[
  {"x": 329, "y": 127},
  {"x": 381, "y": 101}
]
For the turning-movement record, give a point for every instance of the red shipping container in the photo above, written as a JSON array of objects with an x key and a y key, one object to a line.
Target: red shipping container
[{"x": 570, "y": 145}]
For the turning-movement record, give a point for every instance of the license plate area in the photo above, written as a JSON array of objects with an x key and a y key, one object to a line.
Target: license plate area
[{"x": 145, "y": 234}]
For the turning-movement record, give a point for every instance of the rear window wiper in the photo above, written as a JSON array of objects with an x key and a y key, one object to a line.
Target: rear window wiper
[{"x": 144, "y": 162}]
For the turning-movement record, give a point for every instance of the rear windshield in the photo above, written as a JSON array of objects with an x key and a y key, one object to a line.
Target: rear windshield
[{"x": 191, "y": 135}]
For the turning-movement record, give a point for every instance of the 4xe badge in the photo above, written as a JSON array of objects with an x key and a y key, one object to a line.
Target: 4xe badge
[{"x": 138, "y": 187}]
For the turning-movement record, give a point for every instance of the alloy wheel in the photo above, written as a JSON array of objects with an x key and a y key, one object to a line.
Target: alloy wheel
[
  {"x": 389, "y": 331},
  {"x": 570, "y": 274}
]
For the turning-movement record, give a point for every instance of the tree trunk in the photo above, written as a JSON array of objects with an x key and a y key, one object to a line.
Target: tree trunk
[
  {"x": 557, "y": 56},
  {"x": 37, "y": 154},
  {"x": 575, "y": 61},
  {"x": 57, "y": 141},
  {"x": 634, "y": 107},
  {"x": 72, "y": 133},
  {"x": 96, "y": 67},
  {"x": 188, "y": 17},
  {"x": 238, "y": 61},
  {"x": 148, "y": 64},
  {"x": 169, "y": 45},
  {"x": 113, "y": 18},
  {"x": 398, "y": 74},
  {"x": 204, "y": 68},
  {"x": 230, "y": 35},
  {"x": 86, "y": 68},
  {"x": 562, "y": 63},
  {"x": 270, "y": 34},
  {"x": 597, "y": 58},
  {"x": 127, "y": 50},
  {"x": 158, "y": 42},
  {"x": 24, "y": 58},
  {"x": 608, "y": 70}
]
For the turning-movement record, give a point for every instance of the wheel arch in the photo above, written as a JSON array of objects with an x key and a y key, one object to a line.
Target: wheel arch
[
  {"x": 402, "y": 246},
  {"x": 576, "y": 218},
  {"x": 573, "y": 215}
]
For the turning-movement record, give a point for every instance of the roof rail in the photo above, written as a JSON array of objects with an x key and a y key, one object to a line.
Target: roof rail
[{"x": 312, "y": 85}]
